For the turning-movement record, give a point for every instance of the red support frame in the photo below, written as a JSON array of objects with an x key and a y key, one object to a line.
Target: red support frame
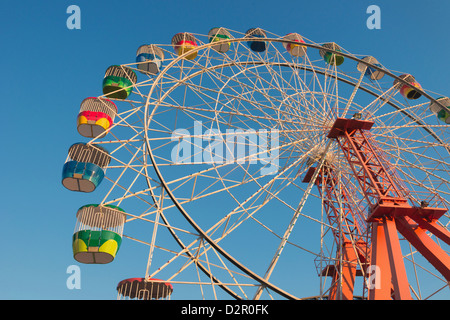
[
  {"x": 390, "y": 212},
  {"x": 349, "y": 234},
  {"x": 344, "y": 276}
]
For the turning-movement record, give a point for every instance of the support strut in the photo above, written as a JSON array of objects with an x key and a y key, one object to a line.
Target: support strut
[{"x": 391, "y": 210}]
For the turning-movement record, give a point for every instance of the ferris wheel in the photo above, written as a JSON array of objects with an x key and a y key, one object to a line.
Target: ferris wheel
[{"x": 258, "y": 166}]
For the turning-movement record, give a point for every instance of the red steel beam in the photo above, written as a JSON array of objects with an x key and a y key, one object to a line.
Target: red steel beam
[
  {"x": 347, "y": 233},
  {"x": 398, "y": 271},
  {"x": 389, "y": 212},
  {"x": 380, "y": 282},
  {"x": 417, "y": 236}
]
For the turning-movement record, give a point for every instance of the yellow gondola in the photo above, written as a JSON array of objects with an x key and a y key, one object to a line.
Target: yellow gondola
[
  {"x": 184, "y": 42},
  {"x": 96, "y": 116}
]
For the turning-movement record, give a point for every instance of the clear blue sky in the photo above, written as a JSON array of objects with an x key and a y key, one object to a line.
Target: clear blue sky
[{"x": 47, "y": 70}]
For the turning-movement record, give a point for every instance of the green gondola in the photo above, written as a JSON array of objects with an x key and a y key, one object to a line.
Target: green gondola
[
  {"x": 98, "y": 233},
  {"x": 118, "y": 82}
]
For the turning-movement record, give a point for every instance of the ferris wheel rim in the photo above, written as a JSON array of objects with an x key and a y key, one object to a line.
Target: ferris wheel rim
[
  {"x": 311, "y": 45},
  {"x": 315, "y": 46},
  {"x": 148, "y": 149},
  {"x": 167, "y": 188}
]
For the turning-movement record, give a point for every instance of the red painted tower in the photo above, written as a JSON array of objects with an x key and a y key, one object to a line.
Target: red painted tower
[{"x": 391, "y": 210}]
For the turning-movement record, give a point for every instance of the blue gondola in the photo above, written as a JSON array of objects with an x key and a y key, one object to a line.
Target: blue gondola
[
  {"x": 254, "y": 44},
  {"x": 84, "y": 168},
  {"x": 149, "y": 59},
  {"x": 369, "y": 71}
]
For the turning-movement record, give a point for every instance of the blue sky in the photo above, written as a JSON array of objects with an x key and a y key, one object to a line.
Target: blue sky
[{"x": 48, "y": 69}]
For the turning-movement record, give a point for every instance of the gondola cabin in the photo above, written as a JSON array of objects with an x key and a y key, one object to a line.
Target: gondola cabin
[
  {"x": 84, "y": 167},
  {"x": 331, "y": 57},
  {"x": 98, "y": 233},
  {"x": 253, "y": 43},
  {"x": 118, "y": 82},
  {"x": 442, "y": 114},
  {"x": 219, "y": 34},
  {"x": 369, "y": 71},
  {"x": 144, "y": 289},
  {"x": 185, "y": 42},
  {"x": 408, "y": 91},
  {"x": 149, "y": 59},
  {"x": 96, "y": 116},
  {"x": 296, "y": 50}
]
